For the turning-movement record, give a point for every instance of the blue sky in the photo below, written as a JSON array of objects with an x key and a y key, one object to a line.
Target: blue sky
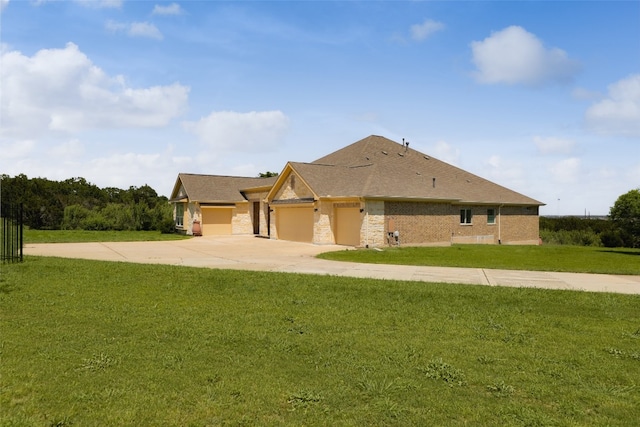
[{"x": 541, "y": 97}]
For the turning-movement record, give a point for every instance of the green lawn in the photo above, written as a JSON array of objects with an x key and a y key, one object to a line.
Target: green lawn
[
  {"x": 581, "y": 259},
  {"x": 69, "y": 236},
  {"x": 99, "y": 343}
]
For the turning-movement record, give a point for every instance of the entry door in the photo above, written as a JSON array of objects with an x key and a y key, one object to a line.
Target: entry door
[{"x": 256, "y": 217}]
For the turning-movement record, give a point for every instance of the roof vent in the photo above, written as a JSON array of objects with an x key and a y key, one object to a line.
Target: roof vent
[
  {"x": 384, "y": 152},
  {"x": 434, "y": 182},
  {"x": 401, "y": 154},
  {"x": 426, "y": 157}
]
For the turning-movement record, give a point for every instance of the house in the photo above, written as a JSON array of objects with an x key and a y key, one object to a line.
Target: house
[
  {"x": 374, "y": 192},
  {"x": 221, "y": 204}
]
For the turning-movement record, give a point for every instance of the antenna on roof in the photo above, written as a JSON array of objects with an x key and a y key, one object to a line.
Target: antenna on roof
[{"x": 405, "y": 144}]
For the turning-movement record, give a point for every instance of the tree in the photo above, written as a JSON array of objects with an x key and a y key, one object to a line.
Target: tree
[
  {"x": 267, "y": 174},
  {"x": 625, "y": 212}
]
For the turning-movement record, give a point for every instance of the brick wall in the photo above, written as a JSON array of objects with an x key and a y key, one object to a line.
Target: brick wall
[
  {"x": 293, "y": 188},
  {"x": 373, "y": 226},
  {"x": 323, "y": 223},
  {"x": 419, "y": 223},
  {"x": 479, "y": 231},
  {"x": 520, "y": 225},
  {"x": 241, "y": 219},
  {"x": 439, "y": 223}
]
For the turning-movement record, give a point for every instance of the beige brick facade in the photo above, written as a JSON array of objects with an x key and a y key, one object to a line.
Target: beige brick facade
[
  {"x": 479, "y": 231},
  {"x": 520, "y": 225},
  {"x": 241, "y": 221},
  {"x": 293, "y": 188},
  {"x": 374, "y": 226},
  {"x": 323, "y": 223},
  {"x": 419, "y": 222},
  {"x": 426, "y": 223}
]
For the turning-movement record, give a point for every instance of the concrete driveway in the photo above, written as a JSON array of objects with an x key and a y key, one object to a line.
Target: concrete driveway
[{"x": 258, "y": 254}]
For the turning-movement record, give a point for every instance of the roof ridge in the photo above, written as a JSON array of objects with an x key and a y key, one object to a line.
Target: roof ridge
[{"x": 220, "y": 176}]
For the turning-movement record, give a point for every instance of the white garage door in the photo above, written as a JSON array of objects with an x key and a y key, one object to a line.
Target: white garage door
[
  {"x": 295, "y": 224},
  {"x": 216, "y": 221}
]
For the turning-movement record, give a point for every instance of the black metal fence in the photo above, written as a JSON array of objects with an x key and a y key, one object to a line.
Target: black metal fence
[{"x": 11, "y": 234}]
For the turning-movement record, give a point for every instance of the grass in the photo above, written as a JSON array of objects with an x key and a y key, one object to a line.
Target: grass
[
  {"x": 581, "y": 259},
  {"x": 72, "y": 236},
  {"x": 99, "y": 343}
]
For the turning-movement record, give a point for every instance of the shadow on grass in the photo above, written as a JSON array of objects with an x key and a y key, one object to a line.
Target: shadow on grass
[
  {"x": 611, "y": 251},
  {"x": 5, "y": 288}
]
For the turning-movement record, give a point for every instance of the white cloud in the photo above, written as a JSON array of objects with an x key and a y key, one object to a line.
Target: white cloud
[
  {"x": 244, "y": 132},
  {"x": 566, "y": 171},
  {"x": 515, "y": 56},
  {"x": 135, "y": 29},
  {"x": 101, "y": 4},
  {"x": 509, "y": 173},
  {"x": 62, "y": 90},
  {"x": 552, "y": 145},
  {"x": 17, "y": 149},
  {"x": 619, "y": 113},
  {"x": 70, "y": 149},
  {"x": 172, "y": 9},
  {"x": 445, "y": 152},
  {"x": 116, "y": 26},
  {"x": 582, "y": 94},
  {"x": 144, "y": 29},
  {"x": 420, "y": 32}
]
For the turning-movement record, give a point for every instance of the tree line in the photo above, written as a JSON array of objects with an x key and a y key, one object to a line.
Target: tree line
[
  {"x": 76, "y": 204},
  {"x": 620, "y": 229}
]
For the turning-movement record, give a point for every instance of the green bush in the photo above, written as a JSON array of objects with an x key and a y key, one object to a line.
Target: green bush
[
  {"x": 119, "y": 216},
  {"x": 612, "y": 239},
  {"x": 570, "y": 237},
  {"x": 95, "y": 222},
  {"x": 74, "y": 215},
  {"x": 167, "y": 226}
]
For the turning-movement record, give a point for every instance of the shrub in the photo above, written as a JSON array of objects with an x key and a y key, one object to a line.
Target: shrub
[
  {"x": 167, "y": 226},
  {"x": 73, "y": 217},
  {"x": 612, "y": 239},
  {"x": 95, "y": 222},
  {"x": 570, "y": 237}
]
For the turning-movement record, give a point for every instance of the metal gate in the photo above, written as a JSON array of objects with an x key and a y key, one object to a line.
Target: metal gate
[{"x": 11, "y": 238}]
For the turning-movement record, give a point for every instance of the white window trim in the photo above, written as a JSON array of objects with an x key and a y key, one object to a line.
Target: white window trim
[
  {"x": 494, "y": 216},
  {"x": 468, "y": 215},
  {"x": 179, "y": 218}
]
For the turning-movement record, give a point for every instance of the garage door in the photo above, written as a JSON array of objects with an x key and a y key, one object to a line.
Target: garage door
[
  {"x": 348, "y": 225},
  {"x": 295, "y": 224},
  {"x": 216, "y": 221}
]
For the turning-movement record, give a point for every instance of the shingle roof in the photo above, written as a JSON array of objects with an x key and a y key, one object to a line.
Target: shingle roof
[
  {"x": 374, "y": 167},
  {"x": 218, "y": 188},
  {"x": 379, "y": 167}
]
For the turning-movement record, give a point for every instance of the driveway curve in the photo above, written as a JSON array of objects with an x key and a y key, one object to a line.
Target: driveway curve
[{"x": 258, "y": 254}]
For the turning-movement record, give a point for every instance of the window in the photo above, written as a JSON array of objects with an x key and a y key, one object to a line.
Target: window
[
  {"x": 465, "y": 216},
  {"x": 179, "y": 214},
  {"x": 491, "y": 216}
]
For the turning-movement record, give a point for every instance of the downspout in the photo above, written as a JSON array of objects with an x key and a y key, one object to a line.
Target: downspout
[
  {"x": 499, "y": 225},
  {"x": 366, "y": 226}
]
